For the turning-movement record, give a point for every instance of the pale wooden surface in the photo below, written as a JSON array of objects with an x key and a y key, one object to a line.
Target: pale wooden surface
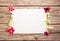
[
  {"x": 29, "y": 2},
  {"x": 54, "y": 18},
  {"x": 5, "y": 36}
]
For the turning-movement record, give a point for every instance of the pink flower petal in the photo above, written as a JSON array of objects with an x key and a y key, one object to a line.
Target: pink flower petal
[
  {"x": 10, "y": 8},
  {"x": 46, "y": 33},
  {"x": 11, "y": 30},
  {"x": 47, "y": 9}
]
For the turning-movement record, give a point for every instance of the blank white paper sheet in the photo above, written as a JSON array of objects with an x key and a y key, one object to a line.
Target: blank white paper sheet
[{"x": 29, "y": 21}]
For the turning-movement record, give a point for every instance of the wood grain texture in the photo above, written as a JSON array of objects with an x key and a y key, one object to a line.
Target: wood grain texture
[
  {"x": 28, "y": 37},
  {"x": 29, "y": 2},
  {"x": 54, "y": 18}
]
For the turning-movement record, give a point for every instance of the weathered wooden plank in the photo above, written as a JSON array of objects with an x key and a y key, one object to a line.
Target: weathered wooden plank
[
  {"x": 52, "y": 37},
  {"x": 56, "y": 27},
  {"x": 4, "y": 10},
  {"x": 29, "y": 2},
  {"x": 54, "y": 19},
  {"x": 3, "y": 27},
  {"x": 55, "y": 12},
  {"x": 6, "y": 36},
  {"x": 4, "y": 18}
]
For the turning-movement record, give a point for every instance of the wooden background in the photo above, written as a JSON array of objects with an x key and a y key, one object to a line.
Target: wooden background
[{"x": 54, "y": 18}]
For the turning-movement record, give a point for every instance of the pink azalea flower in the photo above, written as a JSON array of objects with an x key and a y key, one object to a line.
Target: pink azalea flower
[
  {"x": 46, "y": 33},
  {"x": 10, "y": 8},
  {"x": 10, "y": 30},
  {"x": 47, "y": 9}
]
